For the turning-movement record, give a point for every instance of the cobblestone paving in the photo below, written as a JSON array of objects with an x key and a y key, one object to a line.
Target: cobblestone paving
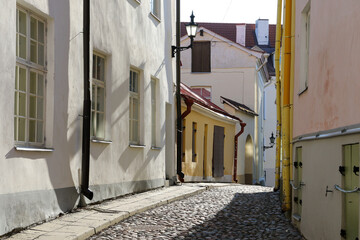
[{"x": 233, "y": 212}]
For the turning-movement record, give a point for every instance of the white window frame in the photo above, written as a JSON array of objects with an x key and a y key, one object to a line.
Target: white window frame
[
  {"x": 134, "y": 95},
  {"x": 98, "y": 82},
  {"x": 155, "y": 8},
  {"x": 154, "y": 111},
  {"x": 38, "y": 92},
  {"x": 305, "y": 47}
]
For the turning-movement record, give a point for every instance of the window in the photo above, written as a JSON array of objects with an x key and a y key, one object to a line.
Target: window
[
  {"x": 153, "y": 112},
  {"x": 155, "y": 8},
  {"x": 30, "y": 78},
  {"x": 201, "y": 57},
  {"x": 194, "y": 138},
  {"x": 204, "y": 92},
  {"x": 98, "y": 97},
  {"x": 305, "y": 46},
  {"x": 134, "y": 108}
]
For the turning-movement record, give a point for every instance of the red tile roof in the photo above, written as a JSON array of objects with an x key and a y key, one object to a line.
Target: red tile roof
[
  {"x": 186, "y": 92},
  {"x": 228, "y": 30}
]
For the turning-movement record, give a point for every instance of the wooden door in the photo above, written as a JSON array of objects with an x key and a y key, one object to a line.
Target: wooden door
[
  {"x": 218, "y": 152},
  {"x": 297, "y": 182}
]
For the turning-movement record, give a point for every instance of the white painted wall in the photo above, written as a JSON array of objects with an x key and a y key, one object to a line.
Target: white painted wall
[
  {"x": 270, "y": 127},
  {"x": 41, "y": 185}
]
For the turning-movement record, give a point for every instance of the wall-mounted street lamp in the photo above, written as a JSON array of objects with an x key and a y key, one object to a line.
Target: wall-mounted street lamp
[
  {"x": 191, "y": 29},
  {"x": 272, "y": 142}
]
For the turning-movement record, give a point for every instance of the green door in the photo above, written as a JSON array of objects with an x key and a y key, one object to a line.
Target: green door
[
  {"x": 297, "y": 182},
  {"x": 351, "y": 162}
]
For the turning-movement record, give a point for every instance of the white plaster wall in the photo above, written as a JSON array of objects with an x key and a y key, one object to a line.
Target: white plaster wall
[
  {"x": 232, "y": 71},
  {"x": 41, "y": 185},
  {"x": 270, "y": 127},
  {"x": 262, "y": 31},
  {"x": 259, "y": 130},
  {"x": 249, "y": 130},
  {"x": 240, "y": 34}
]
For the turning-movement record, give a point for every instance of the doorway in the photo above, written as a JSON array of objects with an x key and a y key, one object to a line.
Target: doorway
[
  {"x": 218, "y": 152},
  {"x": 249, "y": 160}
]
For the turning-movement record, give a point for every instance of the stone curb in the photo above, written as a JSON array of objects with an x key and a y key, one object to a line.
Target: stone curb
[{"x": 92, "y": 220}]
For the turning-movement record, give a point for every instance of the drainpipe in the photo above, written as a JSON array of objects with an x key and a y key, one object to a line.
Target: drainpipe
[
  {"x": 266, "y": 55},
  {"x": 189, "y": 103},
  {"x": 85, "y": 167},
  {"x": 286, "y": 204},
  {"x": 178, "y": 98},
  {"x": 242, "y": 124},
  {"x": 278, "y": 96},
  {"x": 292, "y": 84}
]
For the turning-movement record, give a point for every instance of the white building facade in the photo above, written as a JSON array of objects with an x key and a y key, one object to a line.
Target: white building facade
[{"x": 41, "y": 98}]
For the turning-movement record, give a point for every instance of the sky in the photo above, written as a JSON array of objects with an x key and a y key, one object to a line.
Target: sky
[{"x": 229, "y": 11}]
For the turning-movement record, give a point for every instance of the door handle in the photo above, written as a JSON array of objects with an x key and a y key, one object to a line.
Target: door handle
[
  {"x": 356, "y": 170},
  {"x": 342, "y": 170}
]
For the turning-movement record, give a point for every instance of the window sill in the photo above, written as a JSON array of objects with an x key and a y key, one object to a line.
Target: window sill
[
  {"x": 137, "y": 146},
  {"x": 200, "y": 72},
  {"x": 101, "y": 141},
  {"x": 302, "y": 91},
  {"x": 34, "y": 149},
  {"x": 155, "y": 148},
  {"x": 156, "y": 17}
]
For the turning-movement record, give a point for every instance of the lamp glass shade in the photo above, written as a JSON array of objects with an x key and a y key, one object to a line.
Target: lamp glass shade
[
  {"x": 191, "y": 29},
  {"x": 272, "y": 138}
]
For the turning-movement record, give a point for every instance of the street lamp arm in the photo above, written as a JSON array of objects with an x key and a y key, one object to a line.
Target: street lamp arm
[{"x": 179, "y": 49}]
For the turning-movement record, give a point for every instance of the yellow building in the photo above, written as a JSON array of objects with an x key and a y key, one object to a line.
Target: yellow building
[{"x": 208, "y": 139}]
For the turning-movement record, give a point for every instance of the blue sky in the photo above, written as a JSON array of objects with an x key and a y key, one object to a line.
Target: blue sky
[{"x": 231, "y": 11}]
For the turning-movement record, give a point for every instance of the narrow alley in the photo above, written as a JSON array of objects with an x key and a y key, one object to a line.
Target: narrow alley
[{"x": 230, "y": 212}]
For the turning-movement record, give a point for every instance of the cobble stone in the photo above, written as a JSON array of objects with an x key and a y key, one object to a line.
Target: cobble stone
[{"x": 232, "y": 212}]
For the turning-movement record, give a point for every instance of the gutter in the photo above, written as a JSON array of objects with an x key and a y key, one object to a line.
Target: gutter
[
  {"x": 242, "y": 124},
  {"x": 189, "y": 103}
]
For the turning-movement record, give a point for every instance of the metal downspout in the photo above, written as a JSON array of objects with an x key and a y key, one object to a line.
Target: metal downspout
[
  {"x": 292, "y": 84},
  {"x": 278, "y": 96},
  {"x": 242, "y": 124},
  {"x": 85, "y": 167},
  {"x": 188, "y": 103},
  {"x": 178, "y": 98},
  {"x": 286, "y": 205}
]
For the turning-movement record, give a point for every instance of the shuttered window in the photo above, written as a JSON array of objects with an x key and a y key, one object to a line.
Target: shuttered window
[{"x": 201, "y": 60}]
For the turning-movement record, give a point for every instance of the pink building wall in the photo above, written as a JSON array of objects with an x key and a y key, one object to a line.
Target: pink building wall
[{"x": 333, "y": 96}]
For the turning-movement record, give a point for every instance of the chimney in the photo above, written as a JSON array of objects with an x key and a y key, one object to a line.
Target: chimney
[
  {"x": 262, "y": 31},
  {"x": 241, "y": 34}
]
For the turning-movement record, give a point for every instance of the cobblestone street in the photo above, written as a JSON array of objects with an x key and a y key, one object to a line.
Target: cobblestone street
[{"x": 232, "y": 212}]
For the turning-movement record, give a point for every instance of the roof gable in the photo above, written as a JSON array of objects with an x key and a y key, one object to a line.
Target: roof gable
[{"x": 220, "y": 38}]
